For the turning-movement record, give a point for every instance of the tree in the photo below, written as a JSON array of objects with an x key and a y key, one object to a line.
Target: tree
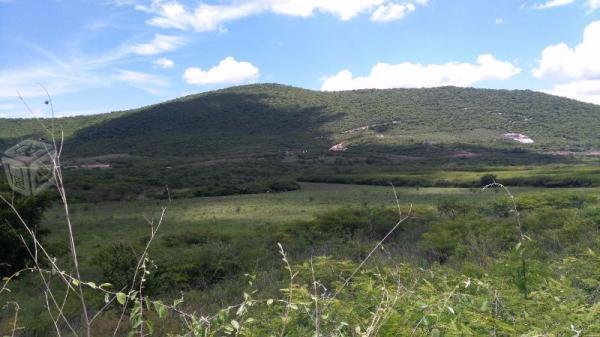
[
  {"x": 487, "y": 179},
  {"x": 13, "y": 252}
]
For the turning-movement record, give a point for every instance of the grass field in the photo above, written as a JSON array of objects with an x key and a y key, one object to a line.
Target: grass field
[
  {"x": 97, "y": 224},
  {"x": 207, "y": 245},
  {"x": 538, "y": 176}
]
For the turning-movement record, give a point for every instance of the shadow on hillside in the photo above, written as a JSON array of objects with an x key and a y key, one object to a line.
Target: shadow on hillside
[{"x": 219, "y": 123}]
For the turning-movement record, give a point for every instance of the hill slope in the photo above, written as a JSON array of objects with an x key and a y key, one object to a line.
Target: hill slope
[{"x": 267, "y": 117}]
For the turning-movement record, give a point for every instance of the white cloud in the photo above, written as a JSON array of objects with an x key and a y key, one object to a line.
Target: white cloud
[
  {"x": 499, "y": 21},
  {"x": 584, "y": 90},
  {"x": 343, "y": 9},
  {"x": 577, "y": 66},
  {"x": 592, "y": 5},
  {"x": 208, "y": 17},
  {"x": 415, "y": 75},
  {"x": 553, "y": 4},
  {"x": 164, "y": 63},
  {"x": 57, "y": 79},
  {"x": 392, "y": 12},
  {"x": 581, "y": 62},
  {"x": 203, "y": 18},
  {"x": 159, "y": 44},
  {"x": 228, "y": 71},
  {"x": 72, "y": 74},
  {"x": 150, "y": 83},
  {"x": 61, "y": 76}
]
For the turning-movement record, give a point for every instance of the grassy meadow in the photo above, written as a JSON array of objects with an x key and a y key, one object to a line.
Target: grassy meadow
[
  {"x": 217, "y": 251},
  {"x": 565, "y": 175},
  {"x": 109, "y": 222}
]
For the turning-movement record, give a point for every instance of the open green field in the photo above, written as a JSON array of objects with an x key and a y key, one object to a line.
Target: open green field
[
  {"x": 207, "y": 247},
  {"x": 97, "y": 224},
  {"x": 533, "y": 175},
  {"x": 109, "y": 222}
]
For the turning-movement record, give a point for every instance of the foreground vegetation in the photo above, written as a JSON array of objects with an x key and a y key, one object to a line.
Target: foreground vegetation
[{"x": 456, "y": 266}]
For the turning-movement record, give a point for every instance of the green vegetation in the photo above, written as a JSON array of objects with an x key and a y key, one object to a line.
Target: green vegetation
[
  {"x": 260, "y": 138},
  {"x": 255, "y": 117},
  {"x": 14, "y": 255},
  {"x": 538, "y": 176},
  {"x": 453, "y": 262}
]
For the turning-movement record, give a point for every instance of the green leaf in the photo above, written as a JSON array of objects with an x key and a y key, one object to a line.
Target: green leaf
[
  {"x": 149, "y": 327},
  {"x": 121, "y": 297},
  {"x": 137, "y": 323},
  {"x": 160, "y": 308},
  {"x": 105, "y": 285},
  {"x": 484, "y": 306},
  {"x": 177, "y": 302},
  {"x": 235, "y": 324}
]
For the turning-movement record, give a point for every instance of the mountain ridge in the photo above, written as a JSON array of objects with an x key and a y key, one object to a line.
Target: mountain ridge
[{"x": 275, "y": 116}]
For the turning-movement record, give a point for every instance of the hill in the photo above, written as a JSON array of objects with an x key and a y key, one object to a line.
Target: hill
[
  {"x": 264, "y": 137},
  {"x": 268, "y": 117}
]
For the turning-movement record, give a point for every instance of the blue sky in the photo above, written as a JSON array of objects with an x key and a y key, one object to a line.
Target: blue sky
[{"x": 97, "y": 56}]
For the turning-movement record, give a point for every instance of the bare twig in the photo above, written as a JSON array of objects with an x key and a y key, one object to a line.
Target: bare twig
[{"x": 364, "y": 261}]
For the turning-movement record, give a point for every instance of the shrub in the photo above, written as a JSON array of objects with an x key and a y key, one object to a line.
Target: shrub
[
  {"x": 487, "y": 179},
  {"x": 117, "y": 263},
  {"x": 13, "y": 254}
]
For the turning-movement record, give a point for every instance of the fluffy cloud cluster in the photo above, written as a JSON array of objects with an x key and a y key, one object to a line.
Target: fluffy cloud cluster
[
  {"x": 583, "y": 90},
  {"x": 228, "y": 71},
  {"x": 208, "y": 17},
  {"x": 415, "y": 75},
  {"x": 561, "y": 61},
  {"x": 578, "y": 65}
]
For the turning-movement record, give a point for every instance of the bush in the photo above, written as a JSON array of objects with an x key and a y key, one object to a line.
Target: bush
[
  {"x": 13, "y": 254},
  {"x": 487, "y": 179},
  {"x": 362, "y": 223},
  {"x": 117, "y": 263}
]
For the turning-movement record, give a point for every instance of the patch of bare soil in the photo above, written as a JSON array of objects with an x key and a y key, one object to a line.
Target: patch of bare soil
[{"x": 464, "y": 154}]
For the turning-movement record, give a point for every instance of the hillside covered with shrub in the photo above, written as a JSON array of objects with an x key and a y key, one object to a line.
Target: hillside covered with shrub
[{"x": 270, "y": 117}]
